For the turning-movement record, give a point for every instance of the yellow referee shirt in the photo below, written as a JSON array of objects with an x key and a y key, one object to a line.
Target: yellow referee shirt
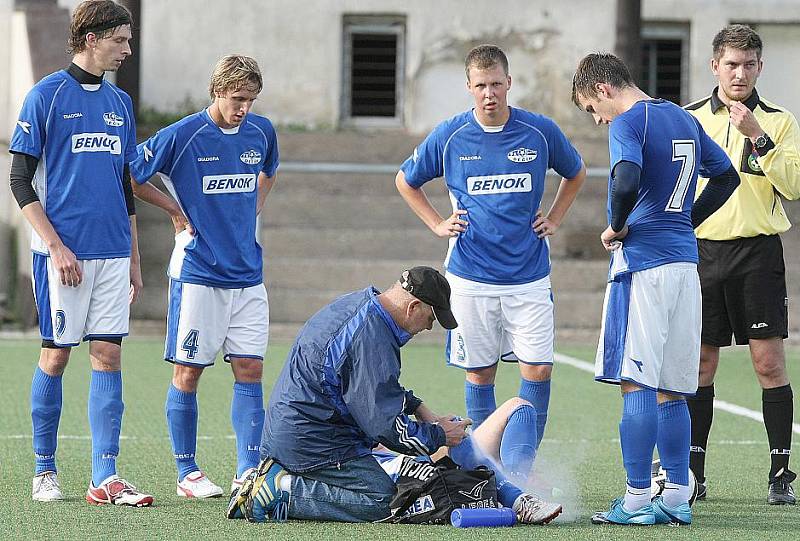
[{"x": 755, "y": 207}]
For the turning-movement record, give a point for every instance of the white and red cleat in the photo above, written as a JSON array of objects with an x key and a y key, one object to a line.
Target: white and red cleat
[
  {"x": 197, "y": 485},
  {"x": 116, "y": 490}
]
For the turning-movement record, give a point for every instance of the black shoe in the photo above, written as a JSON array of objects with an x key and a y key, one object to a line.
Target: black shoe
[
  {"x": 701, "y": 491},
  {"x": 781, "y": 491}
]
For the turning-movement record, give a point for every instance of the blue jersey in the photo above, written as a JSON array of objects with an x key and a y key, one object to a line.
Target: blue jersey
[
  {"x": 213, "y": 177},
  {"x": 83, "y": 139},
  {"x": 670, "y": 147},
  {"x": 498, "y": 178}
]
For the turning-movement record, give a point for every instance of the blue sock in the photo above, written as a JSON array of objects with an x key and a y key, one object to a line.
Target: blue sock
[
  {"x": 674, "y": 440},
  {"x": 181, "y": 410},
  {"x": 480, "y": 402},
  {"x": 45, "y": 414},
  {"x": 518, "y": 444},
  {"x": 247, "y": 417},
  {"x": 538, "y": 394},
  {"x": 105, "y": 422},
  {"x": 469, "y": 457},
  {"x": 637, "y": 433}
]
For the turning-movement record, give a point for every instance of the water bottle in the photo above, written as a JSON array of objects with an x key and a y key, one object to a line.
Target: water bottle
[{"x": 486, "y": 518}]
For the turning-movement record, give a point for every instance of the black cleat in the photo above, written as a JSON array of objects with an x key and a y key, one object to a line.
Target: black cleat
[
  {"x": 781, "y": 491},
  {"x": 701, "y": 491}
]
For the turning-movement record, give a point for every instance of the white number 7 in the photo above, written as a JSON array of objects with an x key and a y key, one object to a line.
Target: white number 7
[{"x": 682, "y": 150}]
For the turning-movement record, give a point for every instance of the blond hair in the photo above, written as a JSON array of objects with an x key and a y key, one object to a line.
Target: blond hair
[{"x": 235, "y": 72}]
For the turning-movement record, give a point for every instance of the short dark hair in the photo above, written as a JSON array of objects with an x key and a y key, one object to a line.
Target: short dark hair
[
  {"x": 599, "y": 68},
  {"x": 737, "y": 36},
  {"x": 485, "y": 57},
  {"x": 99, "y": 17}
]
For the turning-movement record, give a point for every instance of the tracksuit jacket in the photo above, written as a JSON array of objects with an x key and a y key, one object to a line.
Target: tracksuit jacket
[{"x": 339, "y": 394}]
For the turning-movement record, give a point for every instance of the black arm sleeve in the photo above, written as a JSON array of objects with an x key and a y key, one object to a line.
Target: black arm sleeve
[
  {"x": 23, "y": 167},
  {"x": 128, "y": 189},
  {"x": 716, "y": 192},
  {"x": 412, "y": 403},
  {"x": 624, "y": 191}
]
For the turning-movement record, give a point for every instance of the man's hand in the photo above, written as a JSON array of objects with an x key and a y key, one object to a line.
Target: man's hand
[
  {"x": 67, "y": 265},
  {"x": 136, "y": 282},
  {"x": 454, "y": 429},
  {"x": 543, "y": 226},
  {"x": 452, "y": 225},
  {"x": 180, "y": 222},
  {"x": 744, "y": 120},
  {"x": 612, "y": 239}
]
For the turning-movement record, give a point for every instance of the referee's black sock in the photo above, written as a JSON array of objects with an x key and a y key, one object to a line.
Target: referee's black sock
[
  {"x": 778, "y": 408},
  {"x": 701, "y": 409}
]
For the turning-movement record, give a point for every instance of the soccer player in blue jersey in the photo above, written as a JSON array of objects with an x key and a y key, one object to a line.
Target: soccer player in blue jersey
[
  {"x": 75, "y": 134},
  {"x": 218, "y": 165},
  {"x": 650, "y": 336},
  {"x": 494, "y": 159}
]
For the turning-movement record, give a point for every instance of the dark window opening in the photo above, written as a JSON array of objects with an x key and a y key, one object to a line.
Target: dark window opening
[
  {"x": 662, "y": 68},
  {"x": 373, "y": 75}
]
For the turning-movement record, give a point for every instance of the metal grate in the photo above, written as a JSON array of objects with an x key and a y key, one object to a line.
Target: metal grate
[
  {"x": 373, "y": 75},
  {"x": 662, "y": 65}
]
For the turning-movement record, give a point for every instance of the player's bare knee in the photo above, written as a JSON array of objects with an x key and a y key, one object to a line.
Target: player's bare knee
[
  {"x": 53, "y": 361},
  {"x": 482, "y": 376},
  {"x": 536, "y": 372},
  {"x": 105, "y": 356},
  {"x": 247, "y": 370},
  {"x": 186, "y": 378}
]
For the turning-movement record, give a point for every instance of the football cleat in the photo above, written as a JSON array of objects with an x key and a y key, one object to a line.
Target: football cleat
[
  {"x": 781, "y": 491},
  {"x": 532, "y": 509},
  {"x": 658, "y": 479},
  {"x": 701, "y": 491},
  {"x": 617, "y": 514},
  {"x": 260, "y": 498},
  {"x": 237, "y": 482},
  {"x": 117, "y": 491},
  {"x": 46, "y": 487},
  {"x": 197, "y": 485},
  {"x": 679, "y": 515}
]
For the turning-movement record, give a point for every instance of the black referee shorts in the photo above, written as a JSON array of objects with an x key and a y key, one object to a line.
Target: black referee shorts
[{"x": 744, "y": 289}]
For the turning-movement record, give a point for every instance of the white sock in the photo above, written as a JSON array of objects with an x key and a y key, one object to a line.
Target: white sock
[
  {"x": 286, "y": 483},
  {"x": 636, "y": 498},
  {"x": 674, "y": 494}
]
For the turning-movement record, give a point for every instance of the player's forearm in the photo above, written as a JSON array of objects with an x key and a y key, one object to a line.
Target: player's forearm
[
  {"x": 418, "y": 201},
  {"x": 134, "y": 240},
  {"x": 152, "y": 195},
  {"x": 567, "y": 192},
  {"x": 34, "y": 213},
  {"x": 265, "y": 185}
]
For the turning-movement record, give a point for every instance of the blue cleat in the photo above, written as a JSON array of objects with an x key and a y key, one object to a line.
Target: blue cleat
[
  {"x": 617, "y": 514},
  {"x": 682, "y": 514},
  {"x": 260, "y": 498}
]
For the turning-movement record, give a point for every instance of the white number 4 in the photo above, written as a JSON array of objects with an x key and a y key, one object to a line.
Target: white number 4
[{"x": 683, "y": 151}]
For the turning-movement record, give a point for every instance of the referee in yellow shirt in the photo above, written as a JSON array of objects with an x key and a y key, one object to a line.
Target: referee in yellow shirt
[{"x": 741, "y": 268}]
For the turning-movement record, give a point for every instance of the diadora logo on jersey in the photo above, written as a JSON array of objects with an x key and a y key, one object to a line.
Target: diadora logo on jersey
[
  {"x": 251, "y": 157},
  {"x": 208, "y": 159},
  {"x": 469, "y": 158},
  {"x": 522, "y": 155},
  {"x": 113, "y": 119},
  {"x": 415, "y": 155},
  {"x": 69, "y": 116},
  {"x": 519, "y": 182},
  {"x": 229, "y": 183},
  {"x": 96, "y": 142},
  {"x": 26, "y": 126}
]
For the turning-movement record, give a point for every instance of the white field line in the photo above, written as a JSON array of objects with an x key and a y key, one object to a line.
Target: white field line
[{"x": 718, "y": 404}]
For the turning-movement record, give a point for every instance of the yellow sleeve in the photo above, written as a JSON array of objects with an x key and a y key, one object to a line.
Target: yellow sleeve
[{"x": 781, "y": 165}]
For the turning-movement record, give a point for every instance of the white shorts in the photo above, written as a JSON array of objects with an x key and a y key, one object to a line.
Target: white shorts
[
  {"x": 650, "y": 333},
  {"x": 503, "y": 327},
  {"x": 97, "y": 308},
  {"x": 201, "y": 320}
]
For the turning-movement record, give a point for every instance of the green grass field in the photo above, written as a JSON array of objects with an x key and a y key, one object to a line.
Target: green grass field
[{"x": 580, "y": 455}]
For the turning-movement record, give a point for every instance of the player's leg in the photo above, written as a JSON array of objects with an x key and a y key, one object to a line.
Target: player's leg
[
  {"x": 244, "y": 348},
  {"x": 528, "y": 324},
  {"x": 475, "y": 346},
  {"x": 197, "y": 319}
]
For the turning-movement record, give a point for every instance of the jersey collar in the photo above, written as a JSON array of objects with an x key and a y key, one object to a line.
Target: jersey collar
[
  {"x": 225, "y": 131},
  {"x": 474, "y": 120},
  {"x": 717, "y": 103}
]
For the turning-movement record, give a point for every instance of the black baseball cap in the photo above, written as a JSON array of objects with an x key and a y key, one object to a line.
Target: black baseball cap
[{"x": 429, "y": 286}]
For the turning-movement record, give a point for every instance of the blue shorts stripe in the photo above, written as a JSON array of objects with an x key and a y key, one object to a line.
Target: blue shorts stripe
[
  {"x": 42, "y": 293},
  {"x": 173, "y": 318},
  {"x": 447, "y": 339},
  {"x": 616, "y": 326}
]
